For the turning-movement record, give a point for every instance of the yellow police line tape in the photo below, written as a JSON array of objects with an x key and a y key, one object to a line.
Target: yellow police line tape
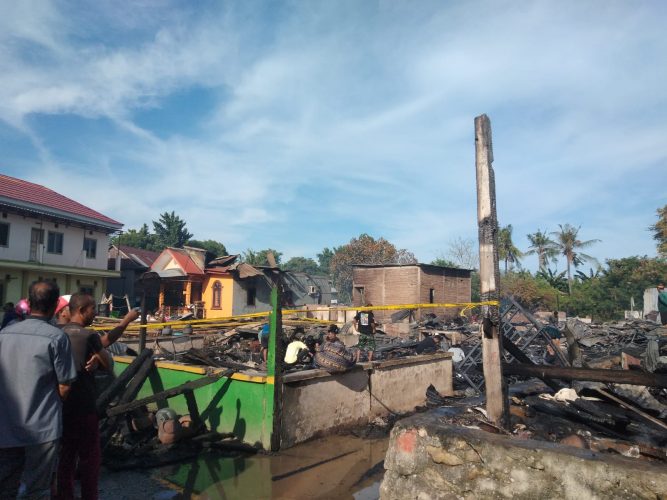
[{"x": 225, "y": 321}]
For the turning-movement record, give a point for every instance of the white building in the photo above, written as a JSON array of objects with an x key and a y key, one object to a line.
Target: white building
[{"x": 45, "y": 235}]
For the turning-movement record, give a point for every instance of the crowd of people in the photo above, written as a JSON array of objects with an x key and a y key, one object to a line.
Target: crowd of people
[{"x": 49, "y": 428}]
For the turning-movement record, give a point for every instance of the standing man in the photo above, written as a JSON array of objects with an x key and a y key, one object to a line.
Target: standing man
[
  {"x": 364, "y": 323},
  {"x": 81, "y": 438},
  {"x": 36, "y": 370},
  {"x": 662, "y": 303}
]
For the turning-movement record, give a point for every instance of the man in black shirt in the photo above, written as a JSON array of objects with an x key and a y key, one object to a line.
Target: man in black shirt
[
  {"x": 364, "y": 323},
  {"x": 81, "y": 439}
]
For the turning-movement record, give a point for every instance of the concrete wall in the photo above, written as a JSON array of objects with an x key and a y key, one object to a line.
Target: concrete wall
[
  {"x": 399, "y": 385},
  {"x": 240, "y": 295},
  {"x": 19, "y": 243},
  {"x": 430, "y": 459},
  {"x": 16, "y": 287},
  {"x": 316, "y": 402}
]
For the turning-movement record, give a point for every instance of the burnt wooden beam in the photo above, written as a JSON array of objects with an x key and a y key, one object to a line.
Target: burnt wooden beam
[
  {"x": 630, "y": 377},
  {"x": 632, "y": 408},
  {"x": 497, "y": 402},
  {"x": 120, "y": 382},
  {"x": 521, "y": 357},
  {"x": 169, "y": 393}
]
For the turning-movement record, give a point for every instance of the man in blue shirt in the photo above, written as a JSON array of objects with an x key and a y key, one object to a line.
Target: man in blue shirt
[{"x": 36, "y": 370}]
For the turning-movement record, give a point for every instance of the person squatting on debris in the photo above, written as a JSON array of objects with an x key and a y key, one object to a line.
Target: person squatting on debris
[
  {"x": 81, "y": 438},
  {"x": 36, "y": 371},
  {"x": 364, "y": 323},
  {"x": 332, "y": 355},
  {"x": 429, "y": 344},
  {"x": 662, "y": 304},
  {"x": 296, "y": 353}
]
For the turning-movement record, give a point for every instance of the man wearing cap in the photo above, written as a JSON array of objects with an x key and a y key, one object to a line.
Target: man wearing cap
[
  {"x": 36, "y": 371},
  {"x": 62, "y": 315},
  {"x": 662, "y": 303},
  {"x": 332, "y": 355}
]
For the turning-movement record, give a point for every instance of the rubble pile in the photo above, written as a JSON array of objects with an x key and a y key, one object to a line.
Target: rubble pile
[{"x": 621, "y": 418}]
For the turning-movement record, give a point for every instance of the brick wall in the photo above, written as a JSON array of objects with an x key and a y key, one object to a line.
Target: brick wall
[{"x": 410, "y": 285}]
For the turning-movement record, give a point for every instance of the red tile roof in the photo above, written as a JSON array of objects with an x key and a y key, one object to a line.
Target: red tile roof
[
  {"x": 186, "y": 263},
  {"x": 27, "y": 192}
]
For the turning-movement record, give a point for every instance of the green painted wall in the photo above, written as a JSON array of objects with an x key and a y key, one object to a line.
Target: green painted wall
[{"x": 227, "y": 405}]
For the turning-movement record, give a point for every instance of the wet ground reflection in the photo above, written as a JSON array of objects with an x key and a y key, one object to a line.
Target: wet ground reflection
[{"x": 340, "y": 467}]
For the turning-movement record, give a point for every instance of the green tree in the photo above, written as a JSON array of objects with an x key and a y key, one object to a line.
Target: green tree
[
  {"x": 302, "y": 264},
  {"x": 170, "y": 230},
  {"x": 530, "y": 292},
  {"x": 362, "y": 250},
  {"x": 557, "y": 281},
  {"x": 569, "y": 245},
  {"x": 660, "y": 231},
  {"x": 259, "y": 258},
  {"x": 213, "y": 248},
  {"x": 542, "y": 246},
  {"x": 140, "y": 238},
  {"x": 324, "y": 259},
  {"x": 507, "y": 251},
  {"x": 440, "y": 261}
]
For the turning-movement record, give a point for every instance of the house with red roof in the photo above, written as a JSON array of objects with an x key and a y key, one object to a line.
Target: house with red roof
[
  {"x": 46, "y": 235},
  {"x": 181, "y": 277}
]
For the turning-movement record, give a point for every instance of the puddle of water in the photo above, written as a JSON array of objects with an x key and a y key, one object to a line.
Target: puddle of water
[{"x": 341, "y": 467}]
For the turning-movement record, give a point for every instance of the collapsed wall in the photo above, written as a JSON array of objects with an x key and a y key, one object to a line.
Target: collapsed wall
[{"x": 427, "y": 459}]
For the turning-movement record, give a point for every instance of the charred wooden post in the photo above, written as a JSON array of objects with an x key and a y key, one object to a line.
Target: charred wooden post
[
  {"x": 142, "y": 330},
  {"x": 497, "y": 406}
]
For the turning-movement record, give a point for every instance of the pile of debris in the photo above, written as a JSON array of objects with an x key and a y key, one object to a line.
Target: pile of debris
[
  {"x": 136, "y": 434},
  {"x": 603, "y": 386}
]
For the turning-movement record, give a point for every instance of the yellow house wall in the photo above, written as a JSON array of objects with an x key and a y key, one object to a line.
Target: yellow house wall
[{"x": 226, "y": 299}]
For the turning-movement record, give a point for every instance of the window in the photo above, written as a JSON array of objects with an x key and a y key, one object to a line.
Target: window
[
  {"x": 88, "y": 289},
  {"x": 217, "y": 295},
  {"x": 4, "y": 234},
  {"x": 431, "y": 296},
  {"x": 54, "y": 243},
  {"x": 252, "y": 296},
  {"x": 90, "y": 247}
]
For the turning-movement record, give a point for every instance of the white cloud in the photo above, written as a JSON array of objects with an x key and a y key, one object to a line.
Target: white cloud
[{"x": 353, "y": 105}]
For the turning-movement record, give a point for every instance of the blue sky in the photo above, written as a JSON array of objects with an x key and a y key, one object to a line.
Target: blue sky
[{"x": 299, "y": 125}]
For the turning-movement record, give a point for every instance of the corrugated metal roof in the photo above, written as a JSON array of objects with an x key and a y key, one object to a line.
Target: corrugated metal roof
[
  {"x": 33, "y": 195},
  {"x": 139, "y": 255},
  {"x": 433, "y": 266}
]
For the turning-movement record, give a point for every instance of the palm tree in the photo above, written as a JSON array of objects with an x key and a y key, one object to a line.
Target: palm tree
[
  {"x": 507, "y": 251},
  {"x": 569, "y": 244},
  {"x": 542, "y": 246}
]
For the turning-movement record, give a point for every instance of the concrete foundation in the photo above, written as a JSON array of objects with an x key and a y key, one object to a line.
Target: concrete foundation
[
  {"x": 316, "y": 403},
  {"x": 427, "y": 459}
]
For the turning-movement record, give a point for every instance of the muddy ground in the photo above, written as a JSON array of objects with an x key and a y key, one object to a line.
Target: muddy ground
[{"x": 334, "y": 467}]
